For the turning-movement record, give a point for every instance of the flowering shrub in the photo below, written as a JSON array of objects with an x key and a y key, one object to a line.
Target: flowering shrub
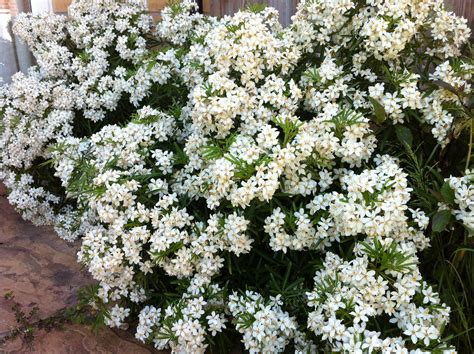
[{"x": 232, "y": 177}]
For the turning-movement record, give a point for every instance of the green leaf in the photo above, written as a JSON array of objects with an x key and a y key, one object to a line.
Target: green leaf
[
  {"x": 257, "y": 7},
  {"x": 404, "y": 135},
  {"x": 313, "y": 75},
  {"x": 440, "y": 220},
  {"x": 379, "y": 111},
  {"x": 447, "y": 193},
  {"x": 159, "y": 256},
  {"x": 290, "y": 128}
]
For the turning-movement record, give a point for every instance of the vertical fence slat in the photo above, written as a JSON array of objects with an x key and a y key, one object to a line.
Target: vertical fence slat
[
  {"x": 228, "y": 7},
  {"x": 464, "y": 8},
  {"x": 212, "y": 7},
  {"x": 286, "y": 8}
]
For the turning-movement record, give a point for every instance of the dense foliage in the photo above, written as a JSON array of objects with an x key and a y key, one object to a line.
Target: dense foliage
[{"x": 302, "y": 189}]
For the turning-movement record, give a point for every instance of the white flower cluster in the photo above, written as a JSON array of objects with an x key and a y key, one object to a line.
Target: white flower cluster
[
  {"x": 248, "y": 47},
  {"x": 97, "y": 29},
  {"x": 185, "y": 324},
  {"x": 373, "y": 203},
  {"x": 179, "y": 153},
  {"x": 388, "y": 30},
  {"x": 453, "y": 84},
  {"x": 266, "y": 328},
  {"x": 35, "y": 202},
  {"x": 349, "y": 297},
  {"x": 181, "y": 22},
  {"x": 127, "y": 235},
  {"x": 463, "y": 188},
  {"x": 75, "y": 77},
  {"x": 35, "y": 112}
]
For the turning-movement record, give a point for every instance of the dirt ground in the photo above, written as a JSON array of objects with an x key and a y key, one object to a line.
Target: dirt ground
[{"x": 39, "y": 268}]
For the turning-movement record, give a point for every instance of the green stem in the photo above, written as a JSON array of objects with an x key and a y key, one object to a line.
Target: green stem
[{"x": 469, "y": 152}]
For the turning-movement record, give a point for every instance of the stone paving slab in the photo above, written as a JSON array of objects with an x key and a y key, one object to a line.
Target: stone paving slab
[
  {"x": 77, "y": 339},
  {"x": 39, "y": 267},
  {"x": 36, "y": 265}
]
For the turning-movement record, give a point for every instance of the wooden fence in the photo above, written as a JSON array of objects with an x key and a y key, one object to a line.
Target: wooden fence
[
  {"x": 227, "y": 7},
  {"x": 463, "y": 8},
  {"x": 285, "y": 7}
]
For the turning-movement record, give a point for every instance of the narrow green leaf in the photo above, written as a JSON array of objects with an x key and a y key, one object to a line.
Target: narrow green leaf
[{"x": 257, "y": 7}]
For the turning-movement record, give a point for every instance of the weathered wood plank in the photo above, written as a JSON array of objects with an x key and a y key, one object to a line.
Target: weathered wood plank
[
  {"x": 464, "y": 8},
  {"x": 232, "y": 6},
  {"x": 228, "y": 7},
  {"x": 212, "y": 7},
  {"x": 206, "y": 7},
  {"x": 287, "y": 8}
]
